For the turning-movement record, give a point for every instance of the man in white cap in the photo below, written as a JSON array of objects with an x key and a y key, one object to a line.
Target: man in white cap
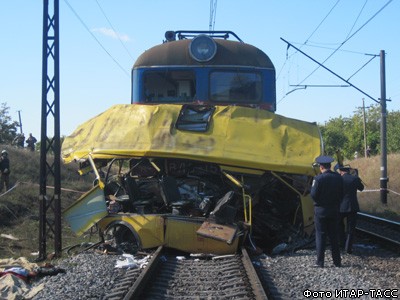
[{"x": 327, "y": 192}]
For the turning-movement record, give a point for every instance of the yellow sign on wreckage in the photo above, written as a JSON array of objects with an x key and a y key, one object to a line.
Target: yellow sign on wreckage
[{"x": 237, "y": 136}]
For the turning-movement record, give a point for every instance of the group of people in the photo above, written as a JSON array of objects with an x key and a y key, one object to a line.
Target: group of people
[
  {"x": 19, "y": 141},
  {"x": 335, "y": 209},
  {"x": 5, "y": 161},
  {"x": 367, "y": 153}
]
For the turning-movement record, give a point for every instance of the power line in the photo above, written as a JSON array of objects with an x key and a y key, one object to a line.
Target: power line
[
  {"x": 330, "y": 48},
  {"x": 112, "y": 27},
  {"x": 93, "y": 36},
  {"x": 347, "y": 39},
  {"x": 319, "y": 25},
  {"x": 359, "y": 14},
  {"x": 321, "y": 65}
]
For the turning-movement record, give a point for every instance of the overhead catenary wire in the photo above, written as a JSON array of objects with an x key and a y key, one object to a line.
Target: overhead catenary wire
[
  {"x": 116, "y": 32},
  {"x": 319, "y": 25},
  {"x": 340, "y": 45},
  {"x": 94, "y": 37},
  {"x": 355, "y": 21},
  {"x": 347, "y": 39}
]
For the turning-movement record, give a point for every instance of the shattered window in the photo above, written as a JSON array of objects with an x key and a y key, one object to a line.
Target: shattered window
[{"x": 194, "y": 118}]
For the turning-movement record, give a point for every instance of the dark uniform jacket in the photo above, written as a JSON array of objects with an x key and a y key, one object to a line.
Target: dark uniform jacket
[
  {"x": 351, "y": 184},
  {"x": 4, "y": 165},
  {"x": 327, "y": 192}
]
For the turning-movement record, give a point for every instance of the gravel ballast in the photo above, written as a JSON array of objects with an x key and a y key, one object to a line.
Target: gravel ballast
[{"x": 369, "y": 270}]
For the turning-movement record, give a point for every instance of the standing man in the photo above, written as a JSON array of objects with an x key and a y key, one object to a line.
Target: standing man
[
  {"x": 5, "y": 170},
  {"x": 31, "y": 140},
  {"x": 349, "y": 207},
  {"x": 327, "y": 192}
]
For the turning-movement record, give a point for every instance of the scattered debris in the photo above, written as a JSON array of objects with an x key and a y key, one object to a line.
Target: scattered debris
[
  {"x": 16, "y": 274},
  {"x": 9, "y": 236},
  {"x": 128, "y": 261}
]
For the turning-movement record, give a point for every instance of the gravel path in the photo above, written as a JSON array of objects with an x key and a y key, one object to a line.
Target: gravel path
[{"x": 369, "y": 270}]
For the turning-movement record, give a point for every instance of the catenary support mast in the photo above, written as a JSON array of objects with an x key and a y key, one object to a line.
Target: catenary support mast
[
  {"x": 384, "y": 179},
  {"x": 50, "y": 142}
]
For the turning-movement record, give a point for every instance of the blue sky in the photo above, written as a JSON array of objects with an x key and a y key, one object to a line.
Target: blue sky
[{"x": 92, "y": 80}]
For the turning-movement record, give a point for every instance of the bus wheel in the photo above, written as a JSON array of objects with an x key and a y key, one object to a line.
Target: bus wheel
[{"x": 122, "y": 238}]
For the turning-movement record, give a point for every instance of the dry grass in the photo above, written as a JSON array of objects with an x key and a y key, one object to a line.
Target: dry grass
[
  {"x": 19, "y": 208},
  {"x": 370, "y": 199}
]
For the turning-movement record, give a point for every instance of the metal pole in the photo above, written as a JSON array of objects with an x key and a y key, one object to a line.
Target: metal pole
[
  {"x": 50, "y": 146},
  {"x": 365, "y": 130},
  {"x": 43, "y": 142},
  {"x": 57, "y": 141},
  {"x": 20, "y": 122},
  {"x": 383, "y": 179}
]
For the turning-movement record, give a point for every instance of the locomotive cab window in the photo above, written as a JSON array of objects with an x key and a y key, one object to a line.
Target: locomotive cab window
[
  {"x": 235, "y": 87},
  {"x": 169, "y": 86}
]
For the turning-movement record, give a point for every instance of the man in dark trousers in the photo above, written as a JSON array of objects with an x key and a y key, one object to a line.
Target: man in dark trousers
[
  {"x": 349, "y": 207},
  {"x": 31, "y": 140},
  {"x": 327, "y": 192},
  {"x": 5, "y": 170}
]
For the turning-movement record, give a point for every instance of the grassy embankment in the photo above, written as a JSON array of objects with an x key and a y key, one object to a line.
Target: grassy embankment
[
  {"x": 370, "y": 173},
  {"x": 19, "y": 208}
]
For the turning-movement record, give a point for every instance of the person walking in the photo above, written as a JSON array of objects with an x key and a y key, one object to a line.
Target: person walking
[
  {"x": 31, "y": 141},
  {"x": 327, "y": 192},
  {"x": 5, "y": 170},
  {"x": 349, "y": 208},
  {"x": 19, "y": 140},
  {"x": 368, "y": 151}
]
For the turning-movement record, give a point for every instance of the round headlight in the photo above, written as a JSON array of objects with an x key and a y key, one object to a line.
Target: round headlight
[{"x": 202, "y": 48}]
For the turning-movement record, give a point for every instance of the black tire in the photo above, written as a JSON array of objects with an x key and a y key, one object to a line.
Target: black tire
[{"x": 122, "y": 238}]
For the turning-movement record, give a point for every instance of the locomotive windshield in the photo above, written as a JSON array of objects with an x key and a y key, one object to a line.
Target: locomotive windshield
[
  {"x": 232, "y": 73},
  {"x": 178, "y": 86},
  {"x": 235, "y": 87},
  {"x": 169, "y": 86}
]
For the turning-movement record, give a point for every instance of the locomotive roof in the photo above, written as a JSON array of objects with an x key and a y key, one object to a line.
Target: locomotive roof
[{"x": 228, "y": 53}]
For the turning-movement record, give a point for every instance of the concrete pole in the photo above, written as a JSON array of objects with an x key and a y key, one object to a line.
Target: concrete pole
[{"x": 383, "y": 179}]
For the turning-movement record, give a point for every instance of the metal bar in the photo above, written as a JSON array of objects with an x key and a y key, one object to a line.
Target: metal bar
[{"x": 330, "y": 71}]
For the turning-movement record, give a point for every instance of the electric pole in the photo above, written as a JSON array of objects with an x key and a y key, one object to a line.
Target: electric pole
[
  {"x": 20, "y": 122},
  {"x": 50, "y": 150},
  {"x": 383, "y": 179}
]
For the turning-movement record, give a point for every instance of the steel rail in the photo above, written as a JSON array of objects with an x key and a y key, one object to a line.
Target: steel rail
[{"x": 381, "y": 228}]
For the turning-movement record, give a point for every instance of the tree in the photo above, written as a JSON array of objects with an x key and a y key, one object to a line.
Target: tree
[
  {"x": 8, "y": 128},
  {"x": 393, "y": 132},
  {"x": 347, "y": 134},
  {"x": 333, "y": 137}
]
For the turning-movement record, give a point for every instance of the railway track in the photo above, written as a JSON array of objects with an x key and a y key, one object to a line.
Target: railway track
[
  {"x": 171, "y": 276},
  {"x": 382, "y": 229}
]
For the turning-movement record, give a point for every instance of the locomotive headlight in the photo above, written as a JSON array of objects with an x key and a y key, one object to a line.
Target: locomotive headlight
[{"x": 202, "y": 48}]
